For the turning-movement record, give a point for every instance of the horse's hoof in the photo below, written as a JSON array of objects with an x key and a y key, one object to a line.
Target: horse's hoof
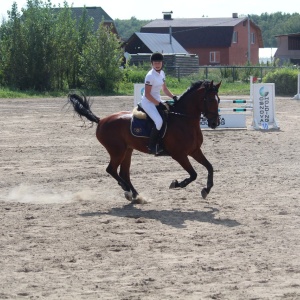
[
  {"x": 204, "y": 193},
  {"x": 174, "y": 184},
  {"x": 128, "y": 195}
]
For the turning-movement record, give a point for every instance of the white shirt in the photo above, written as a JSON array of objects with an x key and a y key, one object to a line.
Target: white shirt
[{"x": 156, "y": 80}]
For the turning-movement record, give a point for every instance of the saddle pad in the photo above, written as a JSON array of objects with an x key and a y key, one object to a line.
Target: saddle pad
[{"x": 141, "y": 127}]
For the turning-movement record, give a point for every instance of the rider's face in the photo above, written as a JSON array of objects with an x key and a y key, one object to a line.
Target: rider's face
[{"x": 157, "y": 65}]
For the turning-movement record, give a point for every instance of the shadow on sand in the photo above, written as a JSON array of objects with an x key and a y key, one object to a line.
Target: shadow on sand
[{"x": 175, "y": 218}]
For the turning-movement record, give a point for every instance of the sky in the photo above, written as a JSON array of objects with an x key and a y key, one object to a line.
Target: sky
[{"x": 150, "y": 10}]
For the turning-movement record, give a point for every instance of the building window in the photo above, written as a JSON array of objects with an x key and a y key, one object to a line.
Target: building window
[
  {"x": 214, "y": 57},
  {"x": 252, "y": 38},
  {"x": 235, "y": 37}
]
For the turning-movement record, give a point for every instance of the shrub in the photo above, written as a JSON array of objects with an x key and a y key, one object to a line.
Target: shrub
[{"x": 285, "y": 80}]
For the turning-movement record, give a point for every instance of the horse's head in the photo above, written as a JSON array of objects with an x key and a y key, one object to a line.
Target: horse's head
[
  {"x": 201, "y": 98},
  {"x": 211, "y": 100}
]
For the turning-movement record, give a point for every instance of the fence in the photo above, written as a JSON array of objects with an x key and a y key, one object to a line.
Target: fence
[{"x": 225, "y": 71}]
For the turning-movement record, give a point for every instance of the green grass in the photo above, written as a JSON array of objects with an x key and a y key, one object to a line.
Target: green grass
[
  {"x": 176, "y": 87},
  {"x": 9, "y": 93}
]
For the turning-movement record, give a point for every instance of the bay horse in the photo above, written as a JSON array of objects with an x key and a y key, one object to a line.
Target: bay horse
[{"x": 183, "y": 136}]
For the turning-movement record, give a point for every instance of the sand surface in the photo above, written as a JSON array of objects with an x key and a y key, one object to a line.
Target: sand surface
[{"x": 67, "y": 232}]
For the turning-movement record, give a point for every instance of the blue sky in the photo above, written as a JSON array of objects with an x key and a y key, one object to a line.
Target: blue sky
[{"x": 149, "y": 10}]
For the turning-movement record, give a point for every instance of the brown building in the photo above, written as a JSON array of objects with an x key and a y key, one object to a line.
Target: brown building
[
  {"x": 288, "y": 50},
  {"x": 216, "y": 41}
]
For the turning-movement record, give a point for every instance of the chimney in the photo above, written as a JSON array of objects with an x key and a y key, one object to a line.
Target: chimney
[
  {"x": 167, "y": 15},
  {"x": 235, "y": 15}
]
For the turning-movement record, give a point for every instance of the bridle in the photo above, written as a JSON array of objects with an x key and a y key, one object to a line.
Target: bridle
[{"x": 205, "y": 112}]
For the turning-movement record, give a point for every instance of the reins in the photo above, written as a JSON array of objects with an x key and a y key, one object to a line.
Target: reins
[
  {"x": 181, "y": 114},
  {"x": 184, "y": 115}
]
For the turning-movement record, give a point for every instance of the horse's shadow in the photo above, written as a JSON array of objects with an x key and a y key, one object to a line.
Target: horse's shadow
[{"x": 174, "y": 217}]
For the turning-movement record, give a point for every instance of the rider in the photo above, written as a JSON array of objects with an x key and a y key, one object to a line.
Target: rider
[{"x": 151, "y": 101}]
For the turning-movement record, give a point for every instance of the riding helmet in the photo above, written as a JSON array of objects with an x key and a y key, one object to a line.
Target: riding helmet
[{"x": 156, "y": 57}]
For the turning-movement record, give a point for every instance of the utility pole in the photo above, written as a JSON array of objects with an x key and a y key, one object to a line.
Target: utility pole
[{"x": 249, "y": 41}]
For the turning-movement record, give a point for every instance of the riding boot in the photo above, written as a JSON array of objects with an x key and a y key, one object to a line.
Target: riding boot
[{"x": 153, "y": 146}]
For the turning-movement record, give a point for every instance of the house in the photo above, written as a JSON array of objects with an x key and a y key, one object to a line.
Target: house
[
  {"x": 216, "y": 41},
  {"x": 288, "y": 50},
  {"x": 140, "y": 46}
]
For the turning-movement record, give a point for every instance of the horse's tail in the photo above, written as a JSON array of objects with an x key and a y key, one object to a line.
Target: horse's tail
[{"x": 82, "y": 107}]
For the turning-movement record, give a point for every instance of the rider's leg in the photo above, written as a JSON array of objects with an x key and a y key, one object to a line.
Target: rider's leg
[
  {"x": 154, "y": 147},
  {"x": 153, "y": 113}
]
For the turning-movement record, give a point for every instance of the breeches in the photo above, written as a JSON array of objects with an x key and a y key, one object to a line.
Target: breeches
[{"x": 153, "y": 113}]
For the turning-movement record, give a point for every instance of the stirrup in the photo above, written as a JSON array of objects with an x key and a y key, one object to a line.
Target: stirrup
[
  {"x": 158, "y": 149},
  {"x": 155, "y": 150}
]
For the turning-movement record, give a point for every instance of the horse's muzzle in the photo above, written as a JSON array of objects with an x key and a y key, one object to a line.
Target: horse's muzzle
[{"x": 213, "y": 123}]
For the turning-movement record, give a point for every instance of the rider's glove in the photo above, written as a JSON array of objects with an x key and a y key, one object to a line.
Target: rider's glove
[{"x": 162, "y": 106}]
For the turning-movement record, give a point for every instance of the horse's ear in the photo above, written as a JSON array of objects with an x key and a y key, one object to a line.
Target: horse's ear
[{"x": 219, "y": 84}]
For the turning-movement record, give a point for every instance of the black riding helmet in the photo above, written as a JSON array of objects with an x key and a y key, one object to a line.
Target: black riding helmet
[{"x": 156, "y": 57}]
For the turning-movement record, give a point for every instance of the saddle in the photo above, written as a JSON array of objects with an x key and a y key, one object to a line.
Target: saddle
[{"x": 141, "y": 124}]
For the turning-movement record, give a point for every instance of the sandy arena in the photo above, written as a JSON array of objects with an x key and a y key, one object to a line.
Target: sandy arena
[{"x": 67, "y": 232}]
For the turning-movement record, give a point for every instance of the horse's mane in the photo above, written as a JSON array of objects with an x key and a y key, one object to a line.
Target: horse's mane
[{"x": 194, "y": 86}]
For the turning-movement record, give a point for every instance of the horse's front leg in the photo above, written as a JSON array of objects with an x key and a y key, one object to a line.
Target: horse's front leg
[
  {"x": 185, "y": 163},
  {"x": 200, "y": 158}
]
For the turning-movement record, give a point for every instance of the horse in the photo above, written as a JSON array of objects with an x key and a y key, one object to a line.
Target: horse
[{"x": 182, "y": 138}]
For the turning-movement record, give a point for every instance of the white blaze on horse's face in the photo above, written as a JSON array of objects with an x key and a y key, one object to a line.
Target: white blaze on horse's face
[{"x": 212, "y": 111}]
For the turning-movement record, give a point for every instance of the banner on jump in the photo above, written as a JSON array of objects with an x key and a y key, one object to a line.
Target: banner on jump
[
  {"x": 264, "y": 106},
  {"x": 228, "y": 121}
]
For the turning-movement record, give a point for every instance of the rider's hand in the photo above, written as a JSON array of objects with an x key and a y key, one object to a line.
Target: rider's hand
[{"x": 162, "y": 106}]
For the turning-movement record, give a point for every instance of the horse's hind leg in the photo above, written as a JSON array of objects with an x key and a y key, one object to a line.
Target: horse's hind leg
[
  {"x": 125, "y": 175},
  {"x": 200, "y": 158},
  {"x": 112, "y": 169},
  {"x": 122, "y": 159}
]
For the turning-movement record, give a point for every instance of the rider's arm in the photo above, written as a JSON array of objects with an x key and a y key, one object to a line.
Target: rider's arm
[{"x": 167, "y": 91}]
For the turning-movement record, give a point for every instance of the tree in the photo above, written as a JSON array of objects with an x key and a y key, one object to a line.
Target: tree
[
  {"x": 100, "y": 60},
  {"x": 64, "y": 66},
  {"x": 85, "y": 28},
  {"x": 12, "y": 55},
  {"x": 126, "y": 28},
  {"x": 276, "y": 24},
  {"x": 38, "y": 20}
]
